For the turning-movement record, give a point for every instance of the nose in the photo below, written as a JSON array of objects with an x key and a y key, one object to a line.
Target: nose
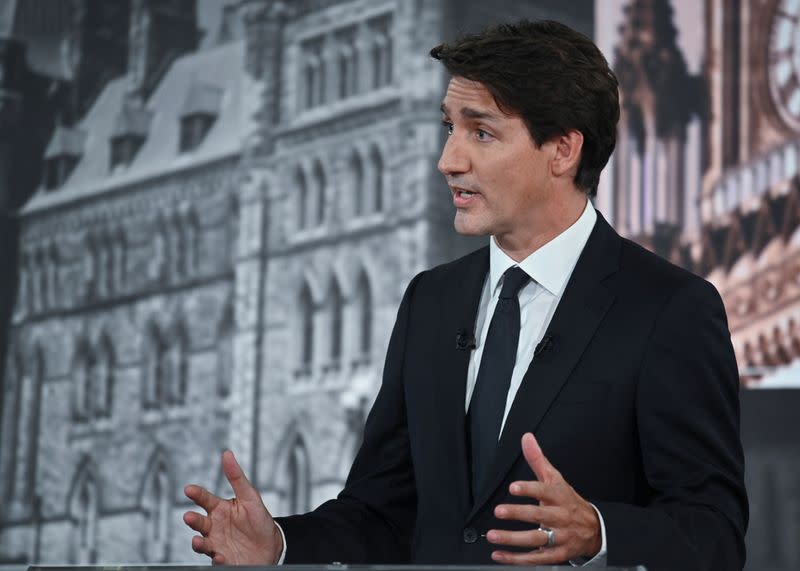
[{"x": 453, "y": 160}]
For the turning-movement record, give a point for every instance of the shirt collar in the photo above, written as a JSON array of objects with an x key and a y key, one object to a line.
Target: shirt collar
[{"x": 552, "y": 264}]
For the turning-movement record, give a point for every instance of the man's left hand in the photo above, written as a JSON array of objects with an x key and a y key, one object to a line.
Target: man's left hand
[{"x": 572, "y": 519}]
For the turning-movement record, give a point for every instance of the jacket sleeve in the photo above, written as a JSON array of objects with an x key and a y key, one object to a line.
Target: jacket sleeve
[
  {"x": 687, "y": 412},
  {"x": 372, "y": 519}
]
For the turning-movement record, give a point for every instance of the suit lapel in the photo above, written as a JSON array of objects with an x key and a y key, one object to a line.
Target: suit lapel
[
  {"x": 459, "y": 312},
  {"x": 579, "y": 313}
]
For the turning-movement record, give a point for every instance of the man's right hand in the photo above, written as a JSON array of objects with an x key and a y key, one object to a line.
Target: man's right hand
[{"x": 239, "y": 531}]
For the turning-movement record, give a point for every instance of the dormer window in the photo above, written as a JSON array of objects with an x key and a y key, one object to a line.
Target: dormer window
[
  {"x": 124, "y": 149},
  {"x": 62, "y": 154},
  {"x": 130, "y": 131},
  {"x": 200, "y": 111},
  {"x": 193, "y": 130}
]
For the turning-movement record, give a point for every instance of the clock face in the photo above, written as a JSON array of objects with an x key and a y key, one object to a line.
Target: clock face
[{"x": 784, "y": 61}]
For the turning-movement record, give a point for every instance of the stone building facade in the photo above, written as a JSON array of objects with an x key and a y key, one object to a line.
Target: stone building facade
[{"x": 214, "y": 257}]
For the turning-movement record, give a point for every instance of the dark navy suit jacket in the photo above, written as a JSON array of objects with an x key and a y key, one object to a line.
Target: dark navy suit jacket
[{"x": 635, "y": 401}]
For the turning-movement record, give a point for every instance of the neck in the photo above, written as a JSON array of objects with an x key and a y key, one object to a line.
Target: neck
[{"x": 541, "y": 227}]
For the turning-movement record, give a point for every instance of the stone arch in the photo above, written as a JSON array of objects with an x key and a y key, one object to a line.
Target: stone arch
[
  {"x": 315, "y": 284},
  {"x": 377, "y": 181},
  {"x": 306, "y": 326},
  {"x": 154, "y": 348},
  {"x": 356, "y": 178},
  {"x": 335, "y": 303},
  {"x": 84, "y": 508},
  {"x": 293, "y": 470},
  {"x": 155, "y": 501},
  {"x": 364, "y": 300},
  {"x": 179, "y": 348},
  {"x": 300, "y": 183},
  {"x": 81, "y": 371},
  {"x": 103, "y": 376},
  {"x": 319, "y": 185}
]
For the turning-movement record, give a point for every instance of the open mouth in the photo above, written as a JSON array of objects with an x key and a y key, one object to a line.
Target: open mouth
[{"x": 462, "y": 197}]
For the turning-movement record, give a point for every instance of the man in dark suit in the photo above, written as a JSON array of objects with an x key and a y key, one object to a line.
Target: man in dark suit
[{"x": 619, "y": 362}]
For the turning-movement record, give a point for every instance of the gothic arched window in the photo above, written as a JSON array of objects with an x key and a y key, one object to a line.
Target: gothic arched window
[
  {"x": 348, "y": 64},
  {"x": 364, "y": 308},
  {"x": 298, "y": 476},
  {"x": 102, "y": 379},
  {"x": 154, "y": 368},
  {"x": 225, "y": 353},
  {"x": 336, "y": 304},
  {"x": 156, "y": 505},
  {"x": 28, "y": 412},
  {"x": 376, "y": 180},
  {"x": 306, "y": 307},
  {"x": 85, "y": 508},
  {"x": 357, "y": 177},
  {"x": 177, "y": 365},
  {"x": 302, "y": 199},
  {"x": 82, "y": 366},
  {"x": 319, "y": 194},
  {"x": 381, "y": 52}
]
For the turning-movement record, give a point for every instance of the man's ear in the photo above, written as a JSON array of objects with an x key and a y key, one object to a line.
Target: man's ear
[{"x": 567, "y": 156}]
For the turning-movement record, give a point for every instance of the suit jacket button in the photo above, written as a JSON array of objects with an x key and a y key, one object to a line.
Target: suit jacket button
[{"x": 470, "y": 535}]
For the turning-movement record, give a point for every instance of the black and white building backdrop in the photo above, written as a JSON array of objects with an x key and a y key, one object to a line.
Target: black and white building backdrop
[{"x": 209, "y": 211}]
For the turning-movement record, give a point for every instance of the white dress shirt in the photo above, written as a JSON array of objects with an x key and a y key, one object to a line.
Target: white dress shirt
[{"x": 550, "y": 268}]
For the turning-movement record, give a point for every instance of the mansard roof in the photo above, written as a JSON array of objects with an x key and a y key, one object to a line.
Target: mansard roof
[{"x": 226, "y": 87}]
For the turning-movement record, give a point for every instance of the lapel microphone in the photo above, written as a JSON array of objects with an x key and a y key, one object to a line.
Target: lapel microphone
[
  {"x": 465, "y": 340},
  {"x": 546, "y": 344}
]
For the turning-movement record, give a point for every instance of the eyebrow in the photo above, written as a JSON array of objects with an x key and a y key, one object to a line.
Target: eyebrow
[{"x": 470, "y": 113}]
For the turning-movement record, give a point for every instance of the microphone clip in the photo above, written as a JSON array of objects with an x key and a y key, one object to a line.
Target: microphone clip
[
  {"x": 546, "y": 344},
  {"x": 465, "y": 340}
]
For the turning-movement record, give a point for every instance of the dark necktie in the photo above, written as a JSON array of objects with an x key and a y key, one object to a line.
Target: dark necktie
[{"x": 488, "y": 401}]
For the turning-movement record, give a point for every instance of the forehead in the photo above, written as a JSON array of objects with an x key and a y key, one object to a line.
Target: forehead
[{"x": 462, "y": 92}]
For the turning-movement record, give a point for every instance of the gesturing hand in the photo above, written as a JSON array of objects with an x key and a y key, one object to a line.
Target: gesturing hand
[
  {"x": 239, "y": 531},
  {"x": 572, "y": 519}
]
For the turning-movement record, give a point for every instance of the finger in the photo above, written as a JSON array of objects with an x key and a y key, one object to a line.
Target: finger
[
  {"x": 531, "y": 538},
  {"x": 242, "y": 487},
  {"x": 202, "y": 545},
  {"x": 201, "y": 497},
  {"x": 546, "y": 556},
  {"x": 541, "y": 466},
  {"x": 198, "y": 522},
  {"x": 544, "y": 515},
  {"x": 218, "y": 559},
  {"x": 531, "y": 489}
]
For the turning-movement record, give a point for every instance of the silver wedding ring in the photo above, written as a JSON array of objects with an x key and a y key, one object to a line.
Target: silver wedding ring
[{"x": 551, "y": 536}]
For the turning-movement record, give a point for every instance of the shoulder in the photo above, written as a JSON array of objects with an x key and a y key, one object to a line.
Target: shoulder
[
  {"x": 474, "y": 264},
  {"x": 653, "y": 275}
]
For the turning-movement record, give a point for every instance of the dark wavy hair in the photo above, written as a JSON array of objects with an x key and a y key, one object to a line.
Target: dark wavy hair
[{"x": 555, "y": 78}]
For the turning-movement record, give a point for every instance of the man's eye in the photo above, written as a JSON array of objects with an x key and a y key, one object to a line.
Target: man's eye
[
  {"x": 483, "y": 135},
  {"x": 449, "y": 127}
]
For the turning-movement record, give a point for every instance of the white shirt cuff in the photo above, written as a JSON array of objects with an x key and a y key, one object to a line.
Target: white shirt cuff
[
  {"x": 599, "y": 559},
  {"x": 283, "y": 537}
]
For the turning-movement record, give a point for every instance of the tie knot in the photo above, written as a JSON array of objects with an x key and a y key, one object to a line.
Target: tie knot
[{"x": 513, "y": 280}]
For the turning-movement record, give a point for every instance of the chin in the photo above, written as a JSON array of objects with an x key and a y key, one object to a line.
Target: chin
[{"x": 467, "y": 227}]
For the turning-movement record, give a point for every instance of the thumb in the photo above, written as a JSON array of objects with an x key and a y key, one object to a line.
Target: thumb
[
  {"x": 541, "y": 466},
  {"x": 242, "y": 488}
]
